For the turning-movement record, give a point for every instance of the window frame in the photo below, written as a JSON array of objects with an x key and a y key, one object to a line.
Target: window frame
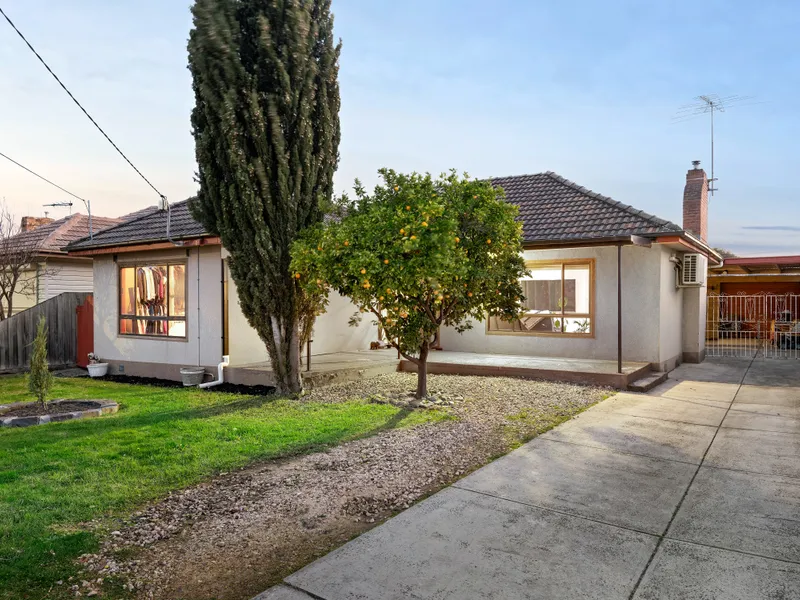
[
  {"x": 185, "y": 319},
  {"x": 562, "y": 264}
]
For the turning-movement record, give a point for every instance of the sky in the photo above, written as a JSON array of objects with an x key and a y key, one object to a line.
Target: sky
[{"x": 586, "y": 89}]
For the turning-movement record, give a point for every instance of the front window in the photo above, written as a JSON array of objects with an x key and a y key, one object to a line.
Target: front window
[
  {"x": 559, "y": 299},
  {"x": 153, "y": 300}
]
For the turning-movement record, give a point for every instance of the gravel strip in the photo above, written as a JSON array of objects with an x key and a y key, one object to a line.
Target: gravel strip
[{"x": 238, "y": 534}]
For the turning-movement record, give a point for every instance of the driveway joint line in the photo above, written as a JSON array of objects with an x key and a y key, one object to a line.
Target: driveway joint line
[
  {"x": 650, "y": 418},
  {"x": 306, "y": 592},
  {"x": 762, "y": 430},
  {"x": 554, "y": 510},
  {"x": 748, "y": 472},
  {"x": 663, "y": 536},
  {"x": 674, "y": 539},
  {"x": 615, "y": 451},
  {"x": 667, "y": 420}
]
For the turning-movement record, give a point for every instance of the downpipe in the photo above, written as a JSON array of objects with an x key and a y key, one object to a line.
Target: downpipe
[{"x": 220, "y": 378}]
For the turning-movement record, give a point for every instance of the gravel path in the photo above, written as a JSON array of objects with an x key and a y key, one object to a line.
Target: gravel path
[{"x": 234, "y": 536}]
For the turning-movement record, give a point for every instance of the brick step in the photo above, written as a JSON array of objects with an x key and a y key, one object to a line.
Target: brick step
[{"x": 648, "y": 382}]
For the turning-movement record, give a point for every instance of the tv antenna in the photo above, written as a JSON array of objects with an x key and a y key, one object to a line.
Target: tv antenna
[
  {"x": 709, "y": 104},
  {"x": 67, "y": 204}
]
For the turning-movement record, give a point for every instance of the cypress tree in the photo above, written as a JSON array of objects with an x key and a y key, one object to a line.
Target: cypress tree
[{"x": 266, "y": 129}]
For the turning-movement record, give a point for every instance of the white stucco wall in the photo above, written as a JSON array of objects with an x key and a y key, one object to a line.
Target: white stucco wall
[
  {"x": 641, "y": 297},
  {"x": 203, "y": 344},
  {"x": 694, "y": 317},
  {"x": 331, "y": 331},
  {"x": 244, "y": 345},
  {"x": 671, "y": 314}
]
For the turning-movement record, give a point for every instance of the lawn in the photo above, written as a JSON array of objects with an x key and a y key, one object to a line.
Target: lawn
[{"x": 55, "y": 477}]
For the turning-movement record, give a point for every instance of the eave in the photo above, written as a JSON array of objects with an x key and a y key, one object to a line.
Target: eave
[
  {"x": 691, "y": 244},
  {"x": 140, "y": 246},
  {"x": 620, "y": 240}
]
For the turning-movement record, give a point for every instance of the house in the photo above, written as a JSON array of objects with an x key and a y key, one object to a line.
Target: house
[
  {"x": 605, "y": 278},
  {"x": 51, "y": 271},
  {"x": 161, "y": 302},
  {"x": 603, "y": 284}
]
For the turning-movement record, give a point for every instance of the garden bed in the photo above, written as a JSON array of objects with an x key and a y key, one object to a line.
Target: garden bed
[
  {"x": 26, "y": 414},
  {"x": 241, "y": 532}
]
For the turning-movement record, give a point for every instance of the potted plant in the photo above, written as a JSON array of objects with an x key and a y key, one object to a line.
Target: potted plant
[{"x": 96, "y": 367}]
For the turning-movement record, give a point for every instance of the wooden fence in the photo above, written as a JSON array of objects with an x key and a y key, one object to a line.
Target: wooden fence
[{"x": 18, "y": 332}]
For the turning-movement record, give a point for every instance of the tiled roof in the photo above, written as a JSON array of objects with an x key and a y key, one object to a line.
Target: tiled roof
[
  {"x": 553, "y": 208},
  {"x": 52, "y": 237},
  {"x": 151, "y": 226},
  {"x": 138, "y": 213}
]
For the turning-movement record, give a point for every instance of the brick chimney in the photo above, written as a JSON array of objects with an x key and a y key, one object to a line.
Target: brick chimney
[
  {"x": 31, "y": 223},
  {"x": 695, "y": 201}
]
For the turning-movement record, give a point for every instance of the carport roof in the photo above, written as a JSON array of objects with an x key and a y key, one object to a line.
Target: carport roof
[{"x": 760, "y": 265}]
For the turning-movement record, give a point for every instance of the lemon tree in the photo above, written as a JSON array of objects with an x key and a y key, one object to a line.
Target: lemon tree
[{"x": 418, "y": 254}]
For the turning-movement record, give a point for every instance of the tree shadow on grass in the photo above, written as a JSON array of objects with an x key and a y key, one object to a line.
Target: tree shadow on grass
[{"x": 44, "y": 435}]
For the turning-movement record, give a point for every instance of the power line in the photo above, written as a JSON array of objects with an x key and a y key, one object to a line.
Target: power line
[
  {"x": 100, "y": 129},
  {"x": 86, "y": 202}
]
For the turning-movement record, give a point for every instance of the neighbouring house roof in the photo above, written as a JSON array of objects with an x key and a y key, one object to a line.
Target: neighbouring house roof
[
  {"x": 147, "y": 228},
  {"x": 759, "y": 265},
  {"x": 51, "y": 238},
  {"x": 552, "y": 208}
]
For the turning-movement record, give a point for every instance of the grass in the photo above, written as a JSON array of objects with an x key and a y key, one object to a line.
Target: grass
[{"x": 55, "y": 477}]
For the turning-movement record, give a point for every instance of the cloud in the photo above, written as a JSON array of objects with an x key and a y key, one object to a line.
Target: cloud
[{"x": 772, "y": 227}]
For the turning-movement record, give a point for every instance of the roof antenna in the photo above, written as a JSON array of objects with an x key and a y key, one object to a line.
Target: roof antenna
[
  {"x": 67, "y": 204},
  {"x": 709, "y": 104},
  {"x": 163, "y": 205}
]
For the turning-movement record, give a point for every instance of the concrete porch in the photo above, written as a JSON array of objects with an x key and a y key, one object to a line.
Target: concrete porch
[
  {"x": 325, "y": 368},
  {"x": 347, "y": 366},
  {"x": 573, "y": 370}
]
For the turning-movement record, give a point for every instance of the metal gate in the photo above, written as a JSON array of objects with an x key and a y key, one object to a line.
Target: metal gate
[{"x": 766, "y": 325}]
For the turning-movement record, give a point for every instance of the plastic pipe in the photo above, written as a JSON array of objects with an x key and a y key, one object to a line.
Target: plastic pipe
[{"x": 220, "y": 378}]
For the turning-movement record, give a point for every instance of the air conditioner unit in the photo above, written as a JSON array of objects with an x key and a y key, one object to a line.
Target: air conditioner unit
[{"x": 691, "y": 272}]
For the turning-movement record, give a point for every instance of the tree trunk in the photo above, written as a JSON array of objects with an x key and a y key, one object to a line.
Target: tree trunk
[
  {"x": 285, "y": 357},
  {"x": 422, "y": 372}
]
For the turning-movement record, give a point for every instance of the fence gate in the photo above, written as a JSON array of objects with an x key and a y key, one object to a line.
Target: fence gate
[{"x": 766, "y": 325}]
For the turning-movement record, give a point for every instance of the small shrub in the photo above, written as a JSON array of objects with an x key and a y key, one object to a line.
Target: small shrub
[{"x": 40, "y": 379}]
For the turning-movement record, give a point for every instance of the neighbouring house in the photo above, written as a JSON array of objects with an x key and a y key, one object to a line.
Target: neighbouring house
[
  {"x": 51, "y": 271},
  {"x": 607, "y": 281}
]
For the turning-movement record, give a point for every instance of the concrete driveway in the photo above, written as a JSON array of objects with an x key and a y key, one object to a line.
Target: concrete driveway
[{"x": 689, "y": 492}]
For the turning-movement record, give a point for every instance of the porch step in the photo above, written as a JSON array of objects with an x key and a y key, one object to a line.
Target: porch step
[{"x": 648, "y": 382}]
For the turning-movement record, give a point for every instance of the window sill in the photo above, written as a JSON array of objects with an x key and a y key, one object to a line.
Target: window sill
[
  {"x": 588, "y": 336},
  {"x": 160, "y": 338}
]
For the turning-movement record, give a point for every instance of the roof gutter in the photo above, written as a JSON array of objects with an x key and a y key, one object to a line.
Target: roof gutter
[
  {"x": 619, "y": 240},
  {"x": 692, "y": 242},
  {"x": 140, "y": 246}
]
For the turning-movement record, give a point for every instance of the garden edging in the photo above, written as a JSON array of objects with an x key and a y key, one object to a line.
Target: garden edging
[{"x": 104, "y": 407}]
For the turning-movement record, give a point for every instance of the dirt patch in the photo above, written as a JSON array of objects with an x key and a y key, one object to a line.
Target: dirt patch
[
  {"x": 34, "y": 409},
  {"x": 234, "y": 536}
]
